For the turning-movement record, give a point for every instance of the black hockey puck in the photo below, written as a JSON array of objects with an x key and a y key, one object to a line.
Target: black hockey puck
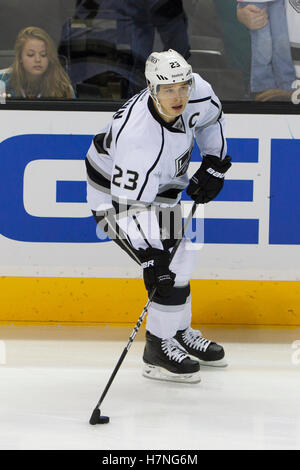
[{"x": 103, "y": 420}]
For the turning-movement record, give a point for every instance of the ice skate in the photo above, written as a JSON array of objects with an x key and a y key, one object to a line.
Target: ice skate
[
  {"x": 207, "y": 352},
  {"x": 165, "y": 359}
]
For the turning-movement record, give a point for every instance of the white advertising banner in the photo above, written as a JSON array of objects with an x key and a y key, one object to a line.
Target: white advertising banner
[{"x": 251, "y": 231}]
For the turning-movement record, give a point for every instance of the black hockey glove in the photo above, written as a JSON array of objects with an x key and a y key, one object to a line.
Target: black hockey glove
[
  {"x": 208, "y": 181},
  {"x": 155, "y": 264}
]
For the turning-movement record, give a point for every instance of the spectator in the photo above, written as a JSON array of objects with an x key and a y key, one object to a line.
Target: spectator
[
  {"x": 96, "y": 41},
  {"x": 237, "y": 44},
  {"x": 147, "y": 16},
  {"x": 36, "y": 71},
  {"x": 272, "y": 70},
  {"x": 293, "y": 19}
]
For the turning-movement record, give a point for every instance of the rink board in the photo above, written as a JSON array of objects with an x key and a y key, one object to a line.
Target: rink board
[
  {"x": 54, "y": 268},
  {"x": 121, "y": 301}
]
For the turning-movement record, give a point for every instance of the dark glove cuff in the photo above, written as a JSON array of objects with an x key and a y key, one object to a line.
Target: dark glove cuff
[
  {"x": 159, "y": 257},
  {"x": 215, "y": 166}
]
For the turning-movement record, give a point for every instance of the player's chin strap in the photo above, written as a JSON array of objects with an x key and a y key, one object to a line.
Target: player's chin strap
[{"x": 155, "y": 99}]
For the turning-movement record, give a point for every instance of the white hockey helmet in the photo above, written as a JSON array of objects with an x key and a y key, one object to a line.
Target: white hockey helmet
[{"x": 164, "y": 68}]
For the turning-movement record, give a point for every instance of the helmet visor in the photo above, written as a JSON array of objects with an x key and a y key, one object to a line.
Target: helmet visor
[{"x": 182, "y": 90}]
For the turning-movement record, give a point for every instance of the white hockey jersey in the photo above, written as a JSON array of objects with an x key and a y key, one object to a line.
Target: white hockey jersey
[{"x": 139, "y": 160}]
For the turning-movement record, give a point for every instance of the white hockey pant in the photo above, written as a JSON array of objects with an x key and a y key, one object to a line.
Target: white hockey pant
[{"x": 167, "y": 316}]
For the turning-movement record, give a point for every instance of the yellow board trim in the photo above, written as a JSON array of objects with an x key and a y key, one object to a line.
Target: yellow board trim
[{"x": 120, "y": 301}]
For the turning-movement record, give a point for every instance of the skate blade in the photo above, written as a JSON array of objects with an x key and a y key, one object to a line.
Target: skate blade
[
  {"x": 158, "y": 373},
  {"x": 219, "y": 363}
]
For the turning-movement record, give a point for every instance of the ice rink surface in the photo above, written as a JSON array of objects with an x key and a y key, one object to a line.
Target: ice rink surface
[{"x": 52, "y": 377}]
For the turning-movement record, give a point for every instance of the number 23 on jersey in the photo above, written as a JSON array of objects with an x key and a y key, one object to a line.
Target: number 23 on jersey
[{"x": 127, "y": 180}]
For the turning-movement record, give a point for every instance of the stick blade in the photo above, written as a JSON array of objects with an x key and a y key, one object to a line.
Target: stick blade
[{"x": 96, "y": 418}]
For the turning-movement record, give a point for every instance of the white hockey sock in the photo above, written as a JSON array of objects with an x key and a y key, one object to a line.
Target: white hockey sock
[
  {"x": 163, "y": 320},
  {"x": 186, "y": 317}
]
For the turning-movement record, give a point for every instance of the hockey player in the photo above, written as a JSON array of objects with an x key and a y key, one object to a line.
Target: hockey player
[{"x": 136, "y": 171}]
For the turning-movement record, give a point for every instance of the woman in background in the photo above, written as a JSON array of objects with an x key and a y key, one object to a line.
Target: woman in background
[{"x": 36, "y": 71}]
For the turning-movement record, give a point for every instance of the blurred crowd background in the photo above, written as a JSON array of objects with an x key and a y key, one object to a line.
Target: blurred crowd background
[{"x": 96, "y": 49}]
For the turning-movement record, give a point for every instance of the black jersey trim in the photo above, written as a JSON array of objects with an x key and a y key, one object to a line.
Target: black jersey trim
[
  {"x": 95, "y": 176},
  {"x": 161, "y": 121},
  {"x": 141, "y": 231},
  {"x": 219, "y": 107},
  {"x": 129, "y": 113},
  {"x": 120, "y": 237},
  {"x": 200, "y": 100},
  {"x": 126, "y": 208},
  {"x": 153, "y": 166},
  {"x": 99, "y": 143},
  {"x": 108, "y": 138},
  {"x": 109, "y": 225},
  {"x": 222, "y": 135},
  {"x": 215, "y": 104},
  {"x": 170, "y": 193},
  {"x": 97, "y": 168}
]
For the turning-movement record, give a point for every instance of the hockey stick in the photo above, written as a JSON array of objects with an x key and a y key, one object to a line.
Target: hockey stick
[{"x": 96, "y": 417}]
